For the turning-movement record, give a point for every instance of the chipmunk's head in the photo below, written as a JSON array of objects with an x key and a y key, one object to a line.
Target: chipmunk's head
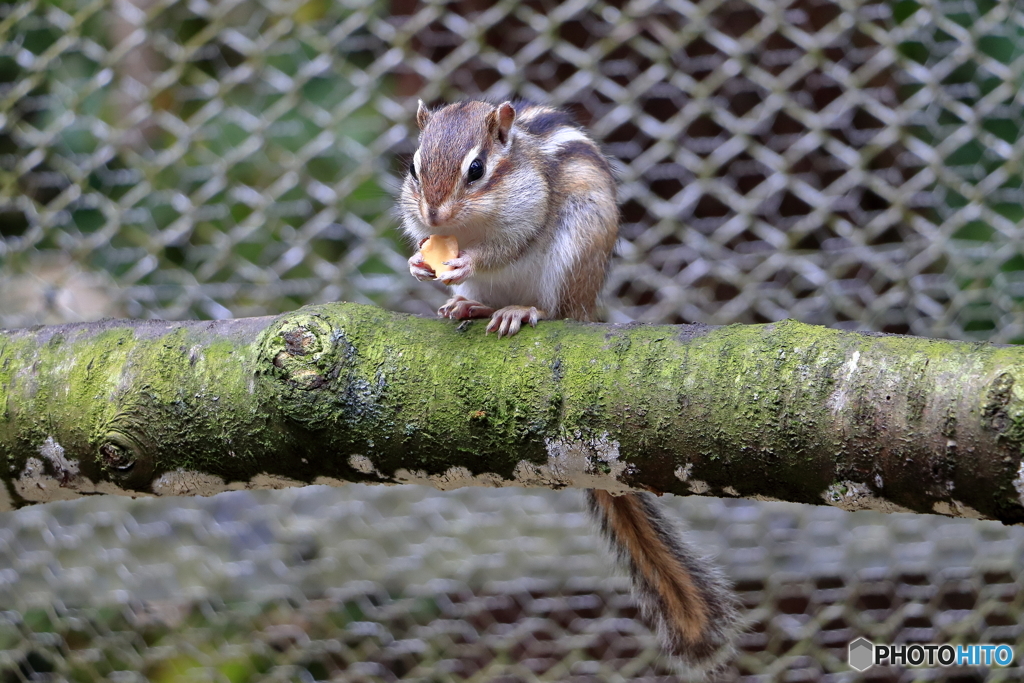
[{"x": 461, "y": 162}]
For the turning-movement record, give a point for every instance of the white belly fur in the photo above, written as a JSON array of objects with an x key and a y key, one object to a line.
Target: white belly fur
[{"x": 519, "y": 284}]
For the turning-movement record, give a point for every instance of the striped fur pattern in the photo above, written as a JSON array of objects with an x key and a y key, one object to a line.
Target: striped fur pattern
[
  {"x": 683, "y": 595},
  {"x": 539, "y": 225},
  {"x": 536, "y": 223}
]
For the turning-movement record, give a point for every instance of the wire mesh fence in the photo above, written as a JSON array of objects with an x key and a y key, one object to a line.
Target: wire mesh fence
[
  {"x": 845, "y": 162},
  {"x": 385, "y": 584}
]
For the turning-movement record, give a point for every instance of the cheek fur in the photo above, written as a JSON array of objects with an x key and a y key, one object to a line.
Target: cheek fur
[
  {"x": 477, "y": 207},
  {"x": 411, "y": 189},
  {"x": 408, "y": 209}
]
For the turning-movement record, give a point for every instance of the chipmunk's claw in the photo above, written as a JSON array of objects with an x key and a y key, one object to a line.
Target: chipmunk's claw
[
  {"x": 419, "y": 268},
  {"x": 463, "y": 268},
  {"x": 509, "y": 320},
  {"x": 461, "y": 308}
]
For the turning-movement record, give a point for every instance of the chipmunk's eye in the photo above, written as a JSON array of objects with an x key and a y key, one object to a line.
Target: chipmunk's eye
[
  {"x": 412, "y": 170},
  {"x": 476, "y": 170}
]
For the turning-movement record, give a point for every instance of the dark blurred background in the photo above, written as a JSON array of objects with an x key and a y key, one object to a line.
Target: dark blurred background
[{"x": 850, "y": 163}]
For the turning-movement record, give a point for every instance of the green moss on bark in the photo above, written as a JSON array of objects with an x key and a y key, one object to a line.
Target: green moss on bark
[{"x": 354, "y": 393}]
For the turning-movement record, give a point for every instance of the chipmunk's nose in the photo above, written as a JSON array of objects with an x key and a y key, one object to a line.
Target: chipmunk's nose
[{"x": 437, "y": 215}]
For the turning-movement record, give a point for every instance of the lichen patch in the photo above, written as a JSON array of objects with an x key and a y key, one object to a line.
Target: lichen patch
[
  {"x": 955, "y": 508},
  {"x": 699, "y": 487},
  {"x": 766, "y": 499},
  {"x": 853, "y": 496},
  {"x": 66, "y": 469},
  {"x": 1018, "y": 482},
  {"x": 182, "y": 482},
  {"x": 35, "y": 485},
  {"x": 837, "y": 400},
  {"x": 363, "y": 465},
  {"x": 592, "y": 463},
  {"x": 452, "y": 478},
  {"x": 583, "y": 463},
  {"x": 685, "y": 474}
]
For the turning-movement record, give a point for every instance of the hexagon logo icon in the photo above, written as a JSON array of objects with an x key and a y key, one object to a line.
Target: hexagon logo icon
[{"x": 862, "y": 654}]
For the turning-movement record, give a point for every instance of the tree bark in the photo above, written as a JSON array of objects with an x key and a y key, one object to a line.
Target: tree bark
[{"x": 341, "y": 392}]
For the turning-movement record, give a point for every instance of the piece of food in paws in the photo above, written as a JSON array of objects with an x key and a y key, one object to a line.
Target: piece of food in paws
[{"x": 438, "y": 249}]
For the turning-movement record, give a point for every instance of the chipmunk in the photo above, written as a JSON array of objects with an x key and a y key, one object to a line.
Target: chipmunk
[{"x": 531, "y": 201}]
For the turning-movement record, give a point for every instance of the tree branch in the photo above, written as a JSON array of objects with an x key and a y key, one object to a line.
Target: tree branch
[{"x": 342, "y": 392}]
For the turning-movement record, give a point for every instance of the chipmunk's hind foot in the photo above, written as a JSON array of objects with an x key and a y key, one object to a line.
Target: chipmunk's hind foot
[
  {"x": 461, "y": 308},
  {"x": 507, "y": 321}
]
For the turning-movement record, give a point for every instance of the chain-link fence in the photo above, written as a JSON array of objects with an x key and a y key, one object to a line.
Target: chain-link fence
[
  {"x": 845, "y": 162},
  {"x": 385, "y": 584}
]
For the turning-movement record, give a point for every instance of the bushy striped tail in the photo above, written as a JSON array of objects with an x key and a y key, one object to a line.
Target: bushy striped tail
[{"x": 685, "y": 597}]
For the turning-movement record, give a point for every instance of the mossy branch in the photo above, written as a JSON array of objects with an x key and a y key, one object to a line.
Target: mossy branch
[{"x": 342, "y": 392}]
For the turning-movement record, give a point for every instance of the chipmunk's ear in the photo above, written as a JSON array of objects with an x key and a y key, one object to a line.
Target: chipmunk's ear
[
  {"x": 504, "y": 117},
  {"x": 423, "y": 115}
]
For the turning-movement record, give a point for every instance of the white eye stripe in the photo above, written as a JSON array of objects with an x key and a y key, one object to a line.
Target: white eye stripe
[
  {"x": 416, "y": 161},
  {"x": 468, "y": 159}
]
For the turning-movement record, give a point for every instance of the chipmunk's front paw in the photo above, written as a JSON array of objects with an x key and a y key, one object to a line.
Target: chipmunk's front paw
[
  {"x": 507, "y": 321},
  {"x": 419, "y": 268},
  {"x": 461, "y": 308},
  {"x": 462, "y": 269}
]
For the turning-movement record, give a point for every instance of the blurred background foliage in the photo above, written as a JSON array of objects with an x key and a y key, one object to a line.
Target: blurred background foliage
[{"x": 853, "y": 163}]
